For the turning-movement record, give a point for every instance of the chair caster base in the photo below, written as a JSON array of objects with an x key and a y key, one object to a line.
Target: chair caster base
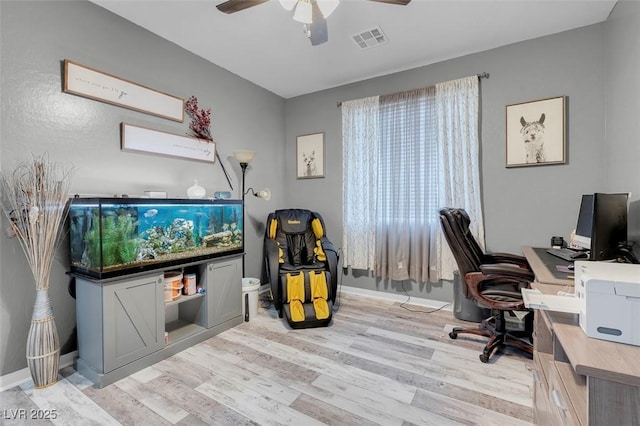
[
  {"x": 453, "y": 335},
  {"x": 484, "y": 358}
]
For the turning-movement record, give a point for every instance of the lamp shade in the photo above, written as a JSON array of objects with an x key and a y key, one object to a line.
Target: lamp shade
[
  {"x": 265, "y": 194},
  {"x": 244, "y": 156}
]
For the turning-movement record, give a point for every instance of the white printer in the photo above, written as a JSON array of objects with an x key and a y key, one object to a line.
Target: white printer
[{"x": 609, "y": 300}]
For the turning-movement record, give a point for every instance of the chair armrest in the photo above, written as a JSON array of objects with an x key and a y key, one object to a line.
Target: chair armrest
[
  {"x": 271, "y": 249},
  {"x": 326, "y": 244},
  {"x": 506, "y": 258},
  {"x": 271, "y": 254},
  {"x": 476, "y": 281},
  {"x": 507, "y": 270},
  {"x": 332, "y": 262}
]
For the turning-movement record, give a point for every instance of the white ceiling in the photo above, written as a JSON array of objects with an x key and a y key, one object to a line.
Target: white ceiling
[{"x": 263, "y": 44}]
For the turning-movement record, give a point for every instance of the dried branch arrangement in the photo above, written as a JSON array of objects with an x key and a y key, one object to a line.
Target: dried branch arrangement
[
  {"x": 34, "y": 199},
  {"x": 201, "y": 127}
]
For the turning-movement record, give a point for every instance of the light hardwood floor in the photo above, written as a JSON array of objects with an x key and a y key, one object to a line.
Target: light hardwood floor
[{"x": 377, "y": 363}]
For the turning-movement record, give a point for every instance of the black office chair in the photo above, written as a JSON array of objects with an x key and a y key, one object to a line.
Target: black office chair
[
  {"x": 494, "y": 281},
  {"x": 302, "y": 267}
]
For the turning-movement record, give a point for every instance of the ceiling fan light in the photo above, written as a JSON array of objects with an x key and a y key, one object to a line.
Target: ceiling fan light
[
  {"x": 304, "y": 12},
  {"x": 288, "y": 4},
  {"x": 327, "y": 6}
]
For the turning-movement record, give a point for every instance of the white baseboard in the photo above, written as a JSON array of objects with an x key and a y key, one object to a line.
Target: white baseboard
[
  {"x": 18, "y": 377},
  {"x": 429, "y": 303}
]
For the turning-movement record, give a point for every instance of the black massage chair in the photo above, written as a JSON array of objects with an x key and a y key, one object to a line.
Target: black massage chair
[{"x": 302, "y": 267}]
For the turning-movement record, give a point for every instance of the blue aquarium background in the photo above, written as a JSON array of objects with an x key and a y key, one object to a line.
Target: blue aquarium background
[{"x": 116, "y": 236}]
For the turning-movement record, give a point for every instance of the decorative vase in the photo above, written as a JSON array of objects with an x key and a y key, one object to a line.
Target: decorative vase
[
  {"x": 43, "y": 344},
  {"x": 196, "y": 191}
]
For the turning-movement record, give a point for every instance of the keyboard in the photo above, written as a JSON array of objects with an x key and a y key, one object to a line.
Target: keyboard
[{"x": 568, "y": 254}]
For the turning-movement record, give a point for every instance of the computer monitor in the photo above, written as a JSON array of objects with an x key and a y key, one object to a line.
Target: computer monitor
[
  {"x": 602, "y": 224},
  {"x": 584, "y": 228},
  {"x": 609, "y": 225}
]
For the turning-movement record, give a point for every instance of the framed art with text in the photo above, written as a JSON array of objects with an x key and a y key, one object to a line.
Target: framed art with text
[
  {"x": 93, "y": 84},
  {"x": 535, "y": 133},
  {"x": 310, "y": 156},
  {"x": 143, "y": 139}
]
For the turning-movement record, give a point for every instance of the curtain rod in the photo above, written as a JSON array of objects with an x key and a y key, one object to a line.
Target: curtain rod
[{"x": 480, "y": 76}]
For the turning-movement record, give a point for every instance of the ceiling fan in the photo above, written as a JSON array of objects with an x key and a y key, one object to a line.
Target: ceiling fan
[{"x": 312, "y": 13}]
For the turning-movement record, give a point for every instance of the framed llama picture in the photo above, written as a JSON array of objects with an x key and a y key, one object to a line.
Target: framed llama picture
[
  {"x": 536, "y": 133},
  {"x": 310, "y": 156}
]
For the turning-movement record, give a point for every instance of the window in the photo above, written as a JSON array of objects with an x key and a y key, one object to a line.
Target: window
[{"x": 405, "y": 156}]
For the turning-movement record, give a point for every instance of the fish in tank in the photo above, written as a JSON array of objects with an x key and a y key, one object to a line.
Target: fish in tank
[{"x": 117, "y": 236}]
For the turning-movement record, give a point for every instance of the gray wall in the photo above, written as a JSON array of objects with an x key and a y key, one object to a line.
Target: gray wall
[
  {"x": 596, "y": 67},
  {"x": 623, "y": 107},
  {"x": 37, "y": 117}
]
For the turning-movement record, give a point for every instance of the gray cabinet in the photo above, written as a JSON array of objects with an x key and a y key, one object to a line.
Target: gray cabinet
[
  {"x": 121, "y": 322},
  {"x": 223, "y": 280},
  {"x": 132, "y": 320}
]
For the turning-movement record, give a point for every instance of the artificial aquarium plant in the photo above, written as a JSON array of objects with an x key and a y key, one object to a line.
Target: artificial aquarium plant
[
  {"x": 34, "y": 199},
  {"x": 201, "y": 126},
  {"x": 117, "y": 239}
]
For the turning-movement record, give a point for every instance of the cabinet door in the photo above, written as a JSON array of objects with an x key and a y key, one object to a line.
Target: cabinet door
[
  {"x": 133, "y": 320},
  {"x": 224, "y": 291}
]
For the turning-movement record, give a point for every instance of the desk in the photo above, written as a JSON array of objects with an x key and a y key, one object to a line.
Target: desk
[
  {"x": 579, "y": 380},
  {"x": 544, "y": 264}
]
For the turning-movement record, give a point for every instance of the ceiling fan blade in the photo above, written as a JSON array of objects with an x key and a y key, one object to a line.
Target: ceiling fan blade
[
  {"x": 398, "y": 2},
  {"x": 318, "y": 27},
  {"x": 233, "y": 6}
]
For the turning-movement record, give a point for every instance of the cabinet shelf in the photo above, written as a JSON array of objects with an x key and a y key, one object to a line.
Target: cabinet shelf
[
  {"x": 183, "y": 299},
  {"x": 181, "y": 329}
]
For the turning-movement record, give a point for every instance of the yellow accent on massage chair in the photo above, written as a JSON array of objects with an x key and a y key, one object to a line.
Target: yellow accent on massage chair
[
  {"x": 319, "y": 294},
  {"x": 295, "y": 296},
  {"x": 273, "y": 227},
  {"x": 320, "y": 255},
  {"x": 316, "y": 225},
  {"x": 318, "y": 231}
]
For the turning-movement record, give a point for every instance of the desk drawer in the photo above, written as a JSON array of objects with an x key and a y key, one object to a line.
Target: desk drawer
[
  {"x": 541, "y": 364},
  {"x": 567, "y": 394},
  {"x": 542, "y": 410}
]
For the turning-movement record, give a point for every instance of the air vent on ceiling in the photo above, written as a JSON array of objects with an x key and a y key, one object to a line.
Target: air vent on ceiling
[{"x": 370, "y": 38}]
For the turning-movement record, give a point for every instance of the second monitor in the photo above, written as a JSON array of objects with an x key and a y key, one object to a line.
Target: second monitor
[{"x": 602, "y": 224}]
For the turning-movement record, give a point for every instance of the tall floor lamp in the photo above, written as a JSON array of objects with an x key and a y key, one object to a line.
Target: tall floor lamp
[{"x": 244, "y": 158}]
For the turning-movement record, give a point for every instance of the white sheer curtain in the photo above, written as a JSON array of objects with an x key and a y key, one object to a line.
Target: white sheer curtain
[
  {"x": 459, "y": 160},
  {"x": 360, "y": 171},
  {"x": 405, "y": 156}
]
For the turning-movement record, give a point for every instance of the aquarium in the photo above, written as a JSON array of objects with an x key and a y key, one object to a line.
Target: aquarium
[{"x": 110, "y": 237}]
